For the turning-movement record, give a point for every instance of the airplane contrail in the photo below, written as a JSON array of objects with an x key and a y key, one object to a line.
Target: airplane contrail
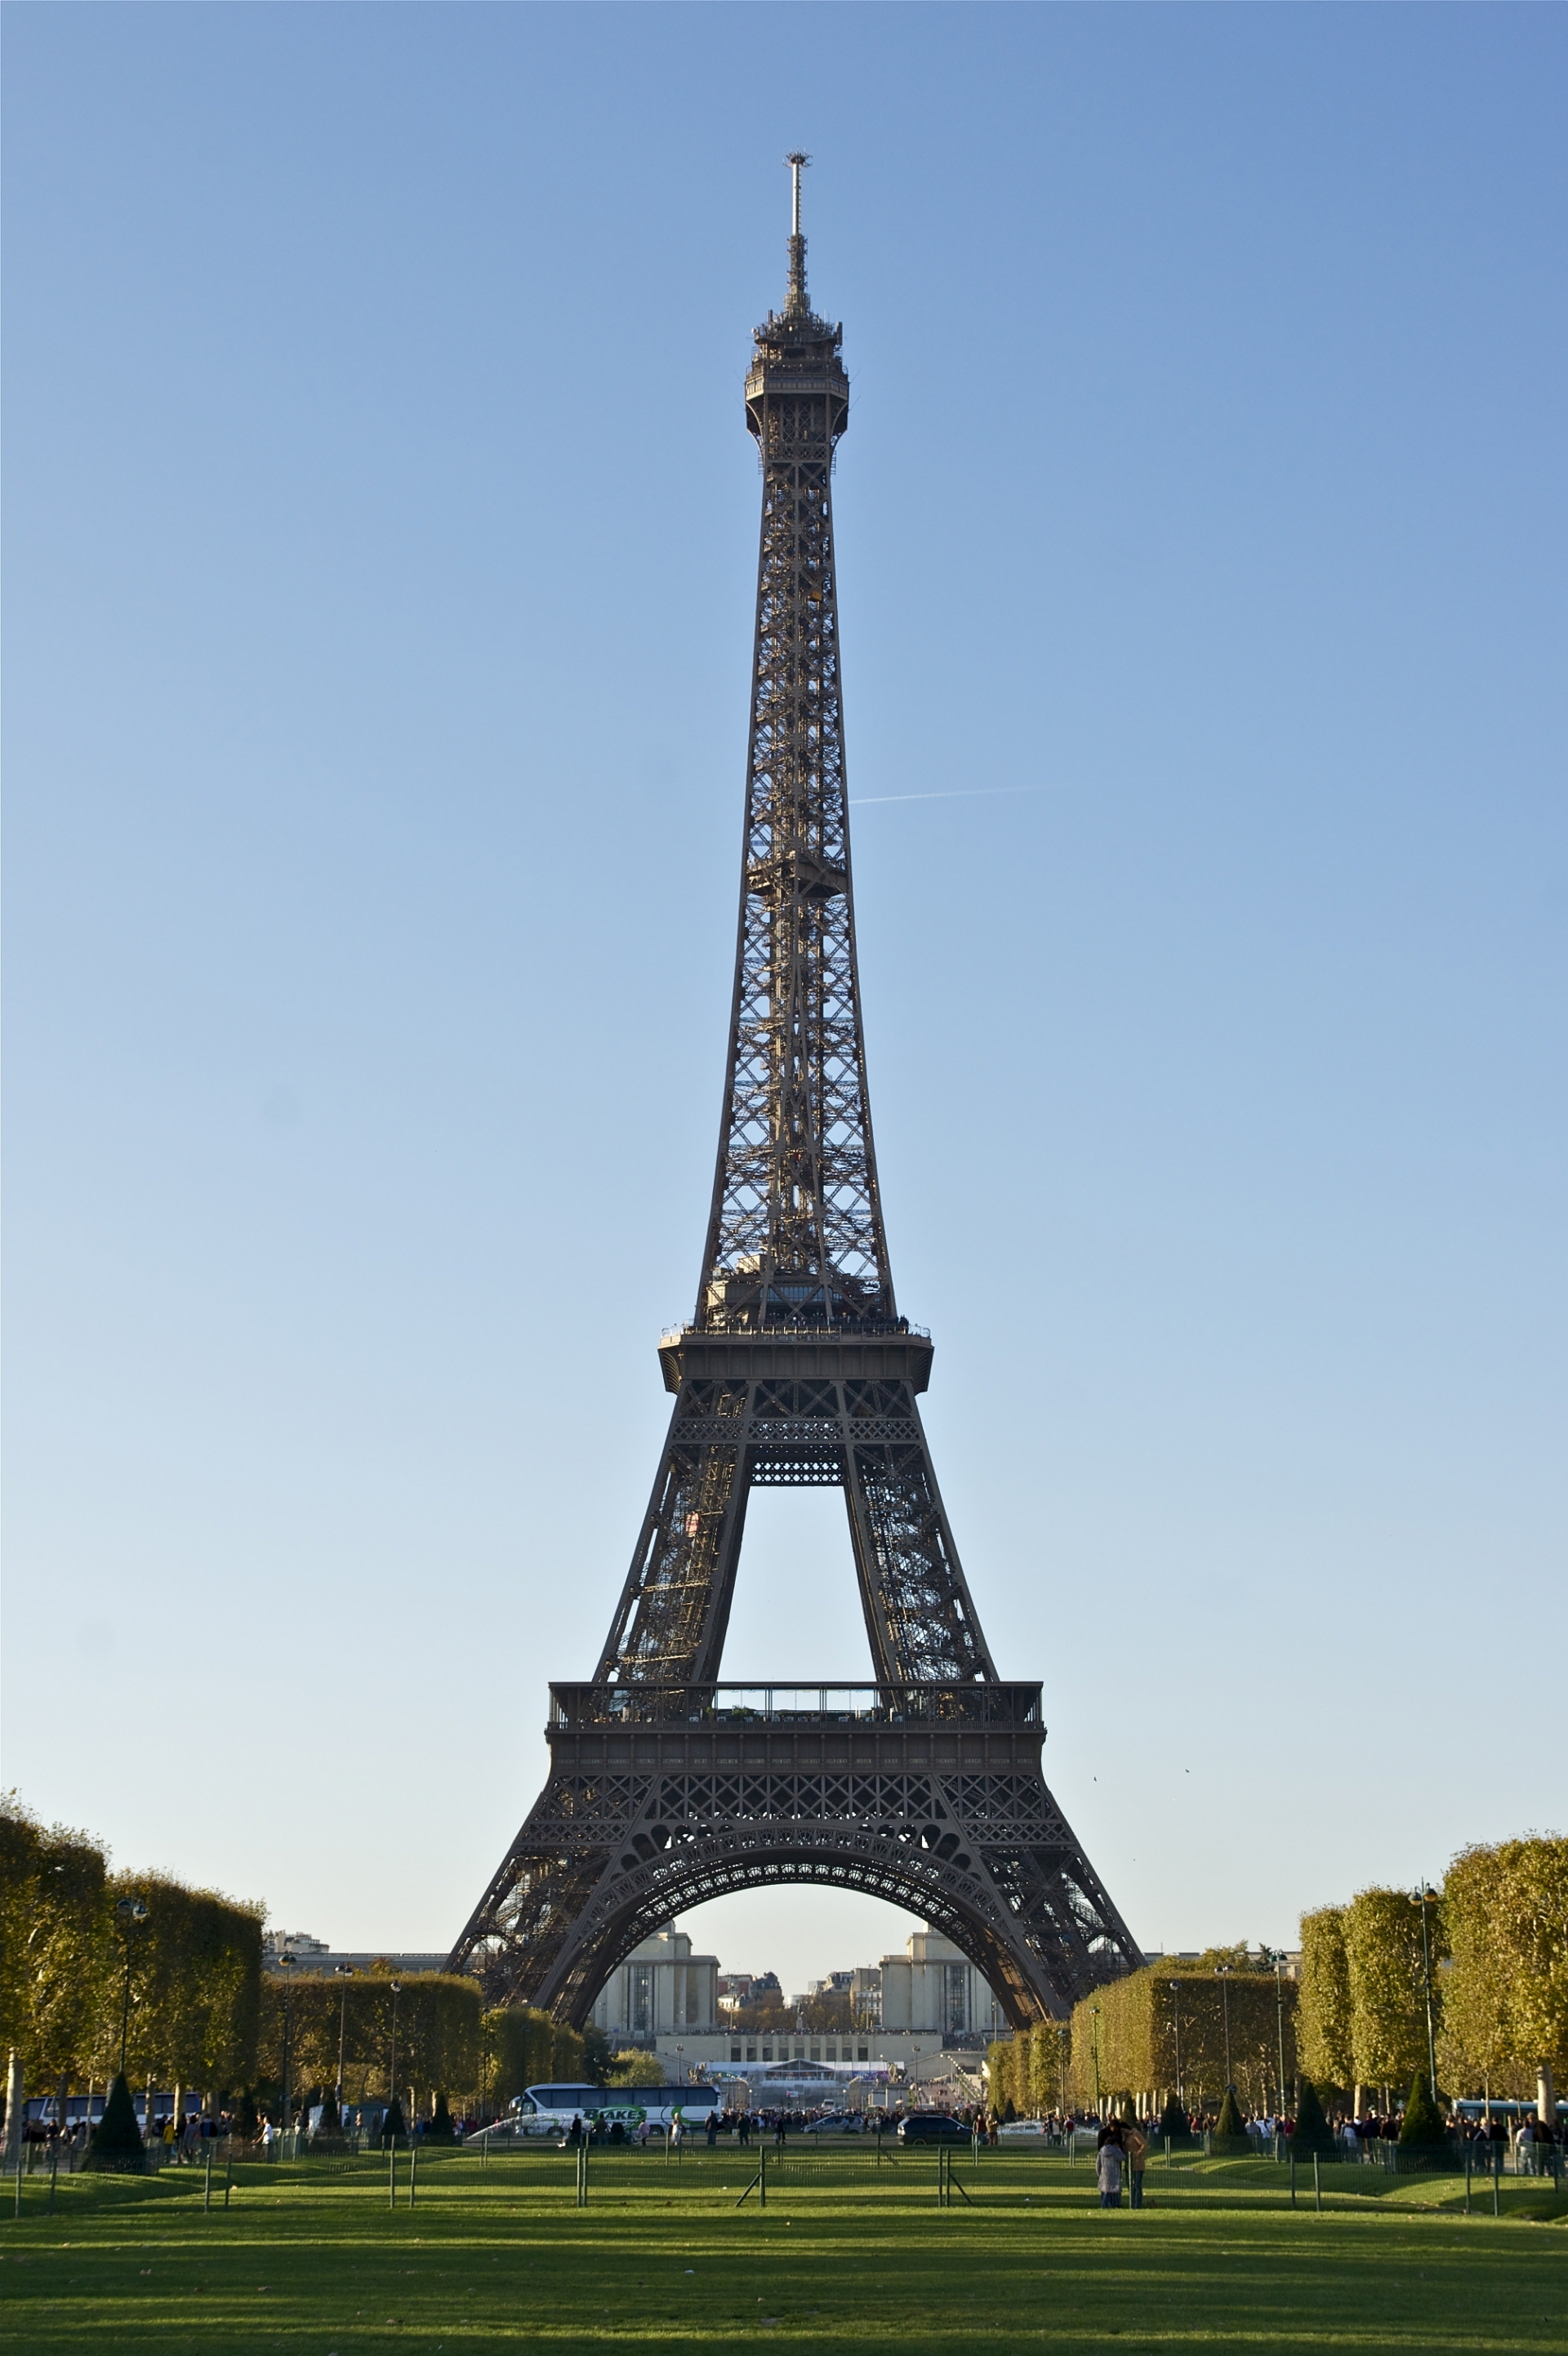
[{"x": 958, "y": 794}]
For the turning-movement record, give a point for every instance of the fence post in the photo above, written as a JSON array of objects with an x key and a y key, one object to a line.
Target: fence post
[
  {"x": 1292, "y": 2180},
  {"x": 207, "y": 2180},
  {"x": 392, "y": 2173},
  {"x": 228, "y": 2170},
  {"x": 1497, "y": 2180},
  {"x": 762, "y": 2176},
  {"x": 1317, "y": 2182},
  {"x": 413, "y": 2172}
]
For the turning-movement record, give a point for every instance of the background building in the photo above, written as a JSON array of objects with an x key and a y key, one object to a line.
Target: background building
[
  {"x": 933, "y": 1987},
  {"x": 659, "y": 1994}
]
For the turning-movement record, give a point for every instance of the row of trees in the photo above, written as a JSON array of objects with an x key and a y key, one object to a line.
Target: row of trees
[
  {"x": 1195, "y": 2029},
  {"x": 1480, "y": 1966},
  {"x": 93, "y": 1962},
  {"x": 1494, "y": 1960}
]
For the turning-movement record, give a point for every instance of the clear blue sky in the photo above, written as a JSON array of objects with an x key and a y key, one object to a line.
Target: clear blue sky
[{"x": 382, "y": 530}]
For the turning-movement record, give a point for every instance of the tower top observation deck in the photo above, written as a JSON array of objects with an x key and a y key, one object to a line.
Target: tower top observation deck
[{"x": 797, "y": 352}]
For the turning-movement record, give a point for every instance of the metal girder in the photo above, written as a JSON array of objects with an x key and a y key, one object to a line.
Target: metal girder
[{"x": 863, "y": 1435}]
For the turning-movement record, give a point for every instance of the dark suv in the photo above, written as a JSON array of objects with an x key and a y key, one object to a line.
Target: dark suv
[{"x": 931, "y": 2126}]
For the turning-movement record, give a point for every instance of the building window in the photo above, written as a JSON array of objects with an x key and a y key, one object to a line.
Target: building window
[
  {"x": 641, "y": 1992},
  {"x": 751, "y": 2053},
  {"x": 816, "y": 2053},
  {"x": 863, "y": 2053},
  {"x": 956, "y": 2011},
  {"x": 735, "y": 2053},
  {"x": 768, "y": 2052}
]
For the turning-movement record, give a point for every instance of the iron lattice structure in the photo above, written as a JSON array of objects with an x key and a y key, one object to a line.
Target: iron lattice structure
[{"x": 666, "y": 1786}]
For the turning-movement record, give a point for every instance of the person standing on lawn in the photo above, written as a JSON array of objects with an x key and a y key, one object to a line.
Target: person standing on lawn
[
  {"x": 1137, "y": 2161},
  {"x": 1108, "y": 2167}
]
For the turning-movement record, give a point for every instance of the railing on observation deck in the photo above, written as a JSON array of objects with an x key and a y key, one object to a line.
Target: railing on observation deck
[
  {"x": 795, "y": 1704},
  {"x": 742, "y": 1325}
]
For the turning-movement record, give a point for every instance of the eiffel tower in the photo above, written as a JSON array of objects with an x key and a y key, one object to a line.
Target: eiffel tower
[{"x": 666, "y": 1785}]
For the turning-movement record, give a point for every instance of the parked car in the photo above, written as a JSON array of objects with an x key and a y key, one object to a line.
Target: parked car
[
  {"x": 1023, "y": 2127},
  {"x": 932, "y": 2127},
  {"x": 836, "y": 2123}
]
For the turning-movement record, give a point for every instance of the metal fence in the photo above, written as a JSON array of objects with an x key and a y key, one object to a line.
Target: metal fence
[{"x": 807, "y": 2167}]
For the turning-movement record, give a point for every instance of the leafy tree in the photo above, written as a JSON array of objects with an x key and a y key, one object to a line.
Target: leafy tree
[
  {"x": 196, "y": 1971},
  {"x": 635, "y": 2069},
  {"x": 438, "y": 2029},
  {"x": 1001, "y": 2064},
  {"x": 116, "y": 2147},
  {"x": 1387, "y": 1980},
  {"x": 1504, "y": 2000},
  {"x": 595, "y": 2058},
  {"x": 1424, "y": 2123},
  {"x": 566, "y": 2052},
  {"x": 832, "y": 2009},
  {"x": 1138, "y": 2028},
  {"x": 1313, "y": 2132},
  {"x": 520, "y": 2043},
  {"x": 1325, "y": 2009},
  {"x": 55, "y": 1953}
]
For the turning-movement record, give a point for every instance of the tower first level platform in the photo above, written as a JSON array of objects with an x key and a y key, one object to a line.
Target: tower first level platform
[{"x": 931, "y": 1796}]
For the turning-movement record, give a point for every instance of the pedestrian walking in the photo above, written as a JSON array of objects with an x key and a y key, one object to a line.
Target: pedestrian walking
[{"x": 1108, "y": 2170}]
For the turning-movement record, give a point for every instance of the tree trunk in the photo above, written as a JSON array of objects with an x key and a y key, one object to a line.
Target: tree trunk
[{"x": 14, "y": 2105}]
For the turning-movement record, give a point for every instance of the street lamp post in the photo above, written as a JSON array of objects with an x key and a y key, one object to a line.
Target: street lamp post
[
  {"x": 1275, "y": 1955},
  {"x": 130, "y": 1911},
  {"x": 1222, "y": 1974},
  {"x": 1175, "y": 1987},
  {"x": 346, "y": 1972},
  {"x": 396, "y": 1986},
  {"x": 284, "y": 1961},
  {"x": 1427, "y": 1892}
]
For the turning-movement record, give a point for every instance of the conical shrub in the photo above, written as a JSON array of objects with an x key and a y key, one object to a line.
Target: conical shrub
[
  {"x": 393, "y": 2128},
  {"x": 1175, "y": 2124},
  {"x": 1313, "y": 2132},
  {"x": 1231, "y": 2122},
  {"x": 1424, "y": 2123},
  {"x": 115, "y": 2148},
  {"x": 440, "y": 2127}
]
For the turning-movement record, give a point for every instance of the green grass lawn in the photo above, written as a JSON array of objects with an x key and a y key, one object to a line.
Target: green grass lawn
[{"x": 309, "y": 2258}]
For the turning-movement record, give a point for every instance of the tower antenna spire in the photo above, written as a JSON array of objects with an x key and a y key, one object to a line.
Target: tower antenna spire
[{"x": 796, "y": 303}]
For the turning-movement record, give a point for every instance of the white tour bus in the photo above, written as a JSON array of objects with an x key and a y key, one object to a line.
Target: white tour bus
[{"x": 550, "y": 2110}]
